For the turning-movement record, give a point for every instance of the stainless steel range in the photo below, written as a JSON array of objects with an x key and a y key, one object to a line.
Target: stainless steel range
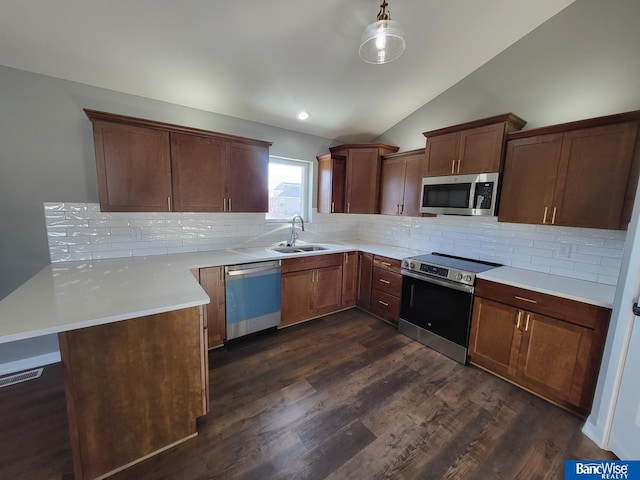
[{"x": 437, "y": 301}]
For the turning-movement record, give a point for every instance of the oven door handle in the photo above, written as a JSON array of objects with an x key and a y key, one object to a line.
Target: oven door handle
[{"x": 443, "y": 283}]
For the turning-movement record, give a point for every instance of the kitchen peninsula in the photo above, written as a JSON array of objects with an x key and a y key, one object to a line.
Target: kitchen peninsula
[{"x": 133, "y": 343}]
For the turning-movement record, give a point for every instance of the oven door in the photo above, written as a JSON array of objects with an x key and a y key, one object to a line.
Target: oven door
[{"x": 438, "y": 306}]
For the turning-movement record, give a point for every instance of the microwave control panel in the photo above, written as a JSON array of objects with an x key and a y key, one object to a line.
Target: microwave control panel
[{"x": 483, "y": 195}]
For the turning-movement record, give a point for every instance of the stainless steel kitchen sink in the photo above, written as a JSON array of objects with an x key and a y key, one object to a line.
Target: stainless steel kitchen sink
[{"x": 299, "y": 249}]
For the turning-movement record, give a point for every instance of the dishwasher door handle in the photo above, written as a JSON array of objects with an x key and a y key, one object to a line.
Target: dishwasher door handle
[{"x": 235, "y": 273}]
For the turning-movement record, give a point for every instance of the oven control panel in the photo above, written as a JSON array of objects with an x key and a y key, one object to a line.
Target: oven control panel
[
  {"x": 451, "y": 274},
  {"x": 433, "y": 270}
]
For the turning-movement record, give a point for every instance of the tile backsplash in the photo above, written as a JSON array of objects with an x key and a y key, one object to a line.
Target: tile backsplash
[{"x": 80, "y": 231}]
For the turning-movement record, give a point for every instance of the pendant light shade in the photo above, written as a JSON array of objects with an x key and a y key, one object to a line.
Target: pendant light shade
[{"x": 383, "y": 40}]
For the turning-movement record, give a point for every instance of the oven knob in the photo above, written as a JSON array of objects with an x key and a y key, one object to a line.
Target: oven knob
[
  {"x": 412, "y": 265},
  {"x": 405, "y": 263},
  {"x": 459, "y": 276},
  {"x": 468, "y": 278}
]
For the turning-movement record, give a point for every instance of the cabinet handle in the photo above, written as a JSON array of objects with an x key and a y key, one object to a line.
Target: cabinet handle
[
  {"x": 229, "y": 203},
  {"x": 382, "y": 280},
  {"x": 526, "y": 299},
  {"x": 401, "y": 208},
  {"x": 458, "y": 165},
  {"x": 169, "y": 203},
  {"x": 553, "y": 216},
  {"x": 383, "y": 303},
  {"x": 348, "y": 207},
  {"x": 544, "y": 217},
  {"x": 224, "y": 204},
  {"x": 346, "y": 258},
  {"x": 332, "y": 207},
  {"x": 526, "y": 322},
  {"x": 518, "y": 319},
  {"x": 385, "y": 264},
  {"x": 453, "y": 166}
]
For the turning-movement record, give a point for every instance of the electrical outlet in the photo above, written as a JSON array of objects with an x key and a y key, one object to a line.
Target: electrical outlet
[{"x": 564, "y": 251}]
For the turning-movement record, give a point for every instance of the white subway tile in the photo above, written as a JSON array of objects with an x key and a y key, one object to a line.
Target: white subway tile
[
  {"x": 591, "y": 277},
  {"x": 112, "y": 254}
]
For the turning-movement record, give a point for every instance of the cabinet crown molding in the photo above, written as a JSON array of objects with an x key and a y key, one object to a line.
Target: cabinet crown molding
[
  {"x": 515, "y": 121},
  {"x": 95, "y": 115},
  {"x": 577, "y": 125}
]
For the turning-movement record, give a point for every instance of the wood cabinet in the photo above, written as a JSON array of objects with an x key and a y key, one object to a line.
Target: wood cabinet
[
  {"x": 134, "y": 168},
  {"x": 349, "y": 279},
  {"x": 144, "y": 165},
  {"x": 401, "y": 182},
  {"x": 365, "y": 273},
  {"x": 386, "y": 285},
  {"x": 212, "y": 282},
  {"x": 134, "y": 388},
  {"x": 331, "y": 183},
  {"x": 472, "y": 147},
  {"x": 549, "y": 345},
  {"x": 362, "y": 175},
  {"x": 311, "y": 287},
  {"x": 581, "y": 174},
  {"x": 380, "y": 285}
]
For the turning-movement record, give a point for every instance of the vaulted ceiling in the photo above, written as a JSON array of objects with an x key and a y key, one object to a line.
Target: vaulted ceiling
[{"x": 266, "y": 60}]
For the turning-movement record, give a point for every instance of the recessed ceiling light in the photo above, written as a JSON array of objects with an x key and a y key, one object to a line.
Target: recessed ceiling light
[{"x": 303, "y": 115}]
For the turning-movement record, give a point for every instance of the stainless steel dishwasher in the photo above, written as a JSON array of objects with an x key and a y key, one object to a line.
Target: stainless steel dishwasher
[{"x": 252, "y": 294}]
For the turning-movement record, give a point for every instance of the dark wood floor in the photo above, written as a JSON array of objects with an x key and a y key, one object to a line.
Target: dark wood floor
[{"x": 342, "y": 397}]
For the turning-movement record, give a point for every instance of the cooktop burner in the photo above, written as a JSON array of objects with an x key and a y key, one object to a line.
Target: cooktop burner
[{"x": 456, "y": 269}]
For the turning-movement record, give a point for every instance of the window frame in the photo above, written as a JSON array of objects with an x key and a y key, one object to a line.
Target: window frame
[{"x": 307, "y": 187}]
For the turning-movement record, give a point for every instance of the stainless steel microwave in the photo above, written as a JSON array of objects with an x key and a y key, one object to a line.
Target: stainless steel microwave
[{"x": 474, "y": 194}]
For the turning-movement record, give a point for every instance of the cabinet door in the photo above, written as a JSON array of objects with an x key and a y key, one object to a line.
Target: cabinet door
[
  {"x": 529, "y": 179},
  {"x": 554, "y": 358},
  {"x": 331, "y": 184},
  {"x": 363, "y": 180},
  {"x": 212, "y": 281},
  {"x": 197, "y": 165},
  {"x": 247, "y": 174},
  {"x": 134, "y": 168},
  {"x": 349, "y": 279},
  {"x": 495, "y": 341},
  {"x": 392, "y": 186},
  {"x": 412, "y": 185},
  {"x": 481, "y": 149},
  {"x": 327, "y": 290},
  {"x": 365, "y": 271},
  {"x": 442, "y": 154},
  {"x": 594, "y": 169},
  {"x": 297, "y": 296}
]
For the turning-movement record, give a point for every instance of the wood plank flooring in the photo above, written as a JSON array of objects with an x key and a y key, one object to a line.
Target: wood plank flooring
[{"x": 341, "y": 397}]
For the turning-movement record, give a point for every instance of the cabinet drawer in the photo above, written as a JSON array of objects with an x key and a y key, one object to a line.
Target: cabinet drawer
[
  {"x": 569, "y": 310},
  {"x": 311, "y": 262},
  {"x": 385, "y": 305},
  {"x": 387, "y": 281},
  {"x": 387, "y": 263}
]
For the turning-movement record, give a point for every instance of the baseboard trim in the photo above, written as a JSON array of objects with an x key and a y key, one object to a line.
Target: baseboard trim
[{"x": 29, "y": 363}]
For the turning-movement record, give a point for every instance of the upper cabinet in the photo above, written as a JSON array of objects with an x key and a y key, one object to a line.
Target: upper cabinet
[
  {"x": 361, "y": 178},
  {"x": 580, "y": 174},
  {"x": 144, "y": 165},
  {"x": 332, "y": 171},
  {"x": 400, "y": 183},
  {"x": 472, "y": 147}
]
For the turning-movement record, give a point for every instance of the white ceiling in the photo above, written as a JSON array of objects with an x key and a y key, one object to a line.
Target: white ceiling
[{"x": 266, "y": 60}]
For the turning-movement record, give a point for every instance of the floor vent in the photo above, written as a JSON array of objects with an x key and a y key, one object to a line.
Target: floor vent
[{"x": 20, "y": 377}]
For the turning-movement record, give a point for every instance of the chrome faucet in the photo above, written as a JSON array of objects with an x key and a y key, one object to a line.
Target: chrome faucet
[{"x": 294, "y": 235}]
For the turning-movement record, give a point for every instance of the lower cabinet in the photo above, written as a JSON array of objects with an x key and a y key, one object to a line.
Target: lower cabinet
[
  {"x": 349, "y": 279},
  {"x": 212, "y": 282},
  {"x": 549, "y": 345},
  {"x": 311, "y": 287},
  {"x": 134, "y": 388},
  {"x": 380, "y": 286}
]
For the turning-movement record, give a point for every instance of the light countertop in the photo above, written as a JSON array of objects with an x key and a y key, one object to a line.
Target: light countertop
[
  {"x": 571, "y": 288},
  {"x": 71, "y": 295}
]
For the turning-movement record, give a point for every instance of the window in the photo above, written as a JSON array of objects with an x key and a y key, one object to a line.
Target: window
[{"x": 289, "y": 191}]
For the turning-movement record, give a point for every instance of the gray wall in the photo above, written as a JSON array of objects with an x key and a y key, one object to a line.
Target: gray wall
[
  {"x": 582, "y": 63},
  {"x": 46, "y": 154}
]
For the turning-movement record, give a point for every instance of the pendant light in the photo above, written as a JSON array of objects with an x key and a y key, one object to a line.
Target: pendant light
[{"x": 383, "y": 40}]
